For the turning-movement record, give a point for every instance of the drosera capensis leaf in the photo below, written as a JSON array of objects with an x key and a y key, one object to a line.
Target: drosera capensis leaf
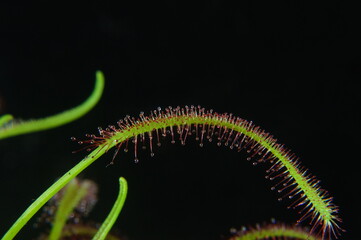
[
  {"x": 274, "y": 231},
  {"x": 18, "y": 127},
  {"x": 236, "y": 133},
  {"x": 114, "y": 213},
  {"x": 225, "y": 129}
]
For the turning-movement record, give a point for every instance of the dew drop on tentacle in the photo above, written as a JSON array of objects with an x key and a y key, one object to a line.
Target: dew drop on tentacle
[
  {"x": 126, "y": 145},
  {"x": 211, "y": 133},
  {"x": 164, "y": 132},
  {"x": 202, "y": 134},
  {"x": 221, "y": 136},
  {"x": 158, "y": 140},
  {"x": 196, "y": 132},
  {"x": 151, "y": 143},
  {"x": 186, "y": 129},
  {"x": 190, "y": 130},
  {"x": 135, "y": 141},
  {"x": 142, "y": 138},
  {"x": 118, "y": 146},
  {"x": 180, "y": 132},
  {"x": 172, "y": 134},
  {"x": 235, "y": 138},
  {"x": 229, "y": 139},
  {"x": 240, "y": 144}
]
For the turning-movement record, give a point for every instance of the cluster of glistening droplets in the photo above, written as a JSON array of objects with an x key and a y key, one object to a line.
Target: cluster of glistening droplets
[
  {"x": 227, "y": 130},
  {"x": 222, "y": 134}
]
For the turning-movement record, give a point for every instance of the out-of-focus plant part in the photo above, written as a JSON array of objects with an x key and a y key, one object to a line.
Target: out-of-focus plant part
[
  {"x": 67, "y": 211},
  {"x": 74, "y": 192}
]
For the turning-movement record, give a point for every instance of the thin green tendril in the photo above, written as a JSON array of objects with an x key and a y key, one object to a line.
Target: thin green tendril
[
  {"x": 23, "y": 127},
  {"x": 114, "y": 213}
]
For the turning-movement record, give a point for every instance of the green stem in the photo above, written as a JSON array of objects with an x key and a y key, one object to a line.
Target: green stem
[
  {"x": 51, "y": 191},
  {"x": 74, "y": 193},
  {"x": 113, "y": 215},
  {"x": 56, "y": 120}
]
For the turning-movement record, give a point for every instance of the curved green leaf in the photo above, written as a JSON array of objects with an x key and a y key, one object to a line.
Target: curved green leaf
[
  {"x": 23, "y": 127},
  {"x": 113, "y": 215}
]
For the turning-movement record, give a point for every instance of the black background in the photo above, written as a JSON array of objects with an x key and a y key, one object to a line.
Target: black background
[{"x": 291, "y": 67}]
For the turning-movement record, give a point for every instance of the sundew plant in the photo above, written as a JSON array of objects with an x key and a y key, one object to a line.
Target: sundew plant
[{"x": 178, "y": 124}]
